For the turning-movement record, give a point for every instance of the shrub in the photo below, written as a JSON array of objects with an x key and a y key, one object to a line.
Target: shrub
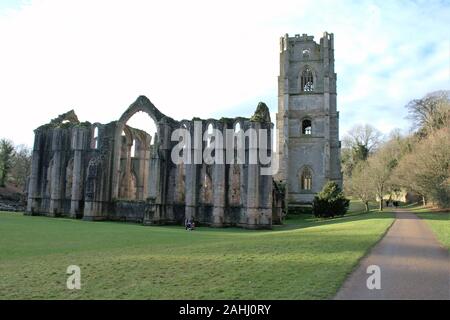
[{"x": 330, "y": 202}]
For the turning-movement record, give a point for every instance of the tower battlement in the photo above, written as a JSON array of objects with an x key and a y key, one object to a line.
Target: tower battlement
[{"x": 326, "y": 41}]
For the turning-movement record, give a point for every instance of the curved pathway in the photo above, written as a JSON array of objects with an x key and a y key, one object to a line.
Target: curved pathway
[{"x": 413, "y": 264}]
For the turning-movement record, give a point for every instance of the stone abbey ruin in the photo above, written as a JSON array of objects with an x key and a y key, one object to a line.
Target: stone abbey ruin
[{"x": 113, "y": 171}]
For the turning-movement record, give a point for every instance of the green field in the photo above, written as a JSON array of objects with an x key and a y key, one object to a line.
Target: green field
[
  {"x": 306, "y": 259},
  {"x": 439, "y": 222}
]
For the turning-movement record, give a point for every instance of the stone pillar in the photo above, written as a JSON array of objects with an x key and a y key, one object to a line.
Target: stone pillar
[
  {"x": 218, "y": 180},
  {"x": 127, "y": 175},
  {"x": 33, "y": 187},
  {"x": 192, "y": 170},
  {"x": 157, "y": 179},
  {"x": 142, "y": 169},
  {"x": 78, "y": 142},
  {"x": 252, "y": 182},
  {"x": 191, "y": 186},
  {"x": 252, "y": 196},
  {"x": 153, "y": 178},
  {"x": 265, "y": 181},
  {"x": 153, "y": 188},
  {"x": 145, "y": 163},
  {"x": 55, "y": 192}
]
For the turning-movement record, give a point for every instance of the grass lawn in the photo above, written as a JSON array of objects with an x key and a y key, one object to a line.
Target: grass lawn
[
  {"x": 305, "y": 260},
  {"x": 439, "y": 222}
]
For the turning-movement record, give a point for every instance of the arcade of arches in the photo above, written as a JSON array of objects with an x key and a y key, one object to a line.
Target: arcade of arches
[{"x": 116, "y": 171}]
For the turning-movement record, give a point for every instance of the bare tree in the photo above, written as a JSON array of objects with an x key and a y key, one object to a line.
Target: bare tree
[
  {"x": 405, "y": 176},
  {"x": 21, "y": 166},
  {"x": 426, "y": 170},
  {"x": 365, "y": 136},
  {"x": 361, "y": 184},
  {"x": 432, "y": 112},
  {"x": 381, "y": 165},
  {"x": 358, "y": 144}
]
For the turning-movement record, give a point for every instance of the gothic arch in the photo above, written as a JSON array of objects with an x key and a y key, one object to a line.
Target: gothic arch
[
  {"x": 210, "y": 128},
  {"x": 142, "y": 104},
  {"x": 306, "y": 126},
  {"x": 238, "y": 125},
  {"x": 238, "y": 142},
  {"x": 306, "y": 178},
  {"x": 307, "y": 79},
  {"x": 95, "y": 137}
]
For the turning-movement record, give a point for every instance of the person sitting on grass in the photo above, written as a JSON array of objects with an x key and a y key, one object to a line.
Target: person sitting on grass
[{"x": 190, "y": 225}]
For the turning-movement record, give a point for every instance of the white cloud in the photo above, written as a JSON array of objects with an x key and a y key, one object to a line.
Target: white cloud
[{"x": 205, "y": 58}]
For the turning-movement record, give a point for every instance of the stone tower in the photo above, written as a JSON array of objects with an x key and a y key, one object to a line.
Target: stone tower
[{"x": 307, "y": 119}]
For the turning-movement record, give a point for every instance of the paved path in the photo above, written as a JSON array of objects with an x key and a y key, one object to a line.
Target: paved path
[{"x": 413, "y": 265}]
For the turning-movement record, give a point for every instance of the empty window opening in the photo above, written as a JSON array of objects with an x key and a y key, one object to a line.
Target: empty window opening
[
  {"x": 237, "y": 127},
  {"x": 306, "y": 53},
  {"x": 133, "y": 149},
  {"x": 95, "y": 139},
  {"x": 142, "y": 121},
  {"x": 306, "y": 127},
  {"x": 210, "y": 132},
  {"x": 307, "y": 80}
]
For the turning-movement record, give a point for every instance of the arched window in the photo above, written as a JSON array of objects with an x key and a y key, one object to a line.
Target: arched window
[
  {"x": 306, "y": 179},
  {"x": 237, "y": 127},
  {"x": 307, "y": 80},
  {"x": 186, "y": 139},
  {"x": 306, "y": 53},
  {"x": 238, "y": 144},
  {"x": 133, "y": 149},
  {"x": 306, "y": 127},
  {"x": 210, "y": 132},
  {"x": 95, "y": 138}
]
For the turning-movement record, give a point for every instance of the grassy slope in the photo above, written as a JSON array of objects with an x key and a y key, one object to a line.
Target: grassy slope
[
  {"x": 307, "y": 260},
  {"x": 439, "y": 222}
]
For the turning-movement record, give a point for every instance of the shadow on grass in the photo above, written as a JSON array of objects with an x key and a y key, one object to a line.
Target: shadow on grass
[
  {"x": 307, "y": 221},
  {"x": 293, "y": 222}
]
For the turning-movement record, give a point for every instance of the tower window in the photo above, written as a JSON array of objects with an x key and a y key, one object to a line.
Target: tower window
[
  {"x": 306, "y": 53},
  {"x": 306, "y": 179},
  {"x": 307, "y": 80},
  {"x": 306, "y": 127}
]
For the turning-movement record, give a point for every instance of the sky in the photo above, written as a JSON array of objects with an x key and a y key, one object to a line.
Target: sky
[{"x": 210, "y": 58}]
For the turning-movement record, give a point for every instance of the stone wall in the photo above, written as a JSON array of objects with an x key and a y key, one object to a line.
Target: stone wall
[{"x": 88, "y": 170}]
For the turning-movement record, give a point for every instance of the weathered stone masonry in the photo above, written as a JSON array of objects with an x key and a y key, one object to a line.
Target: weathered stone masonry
[
  {"x": 116, "y": 172},
  {"x": 89, "y": 171},
  {"x": 307, "y": 118}
]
